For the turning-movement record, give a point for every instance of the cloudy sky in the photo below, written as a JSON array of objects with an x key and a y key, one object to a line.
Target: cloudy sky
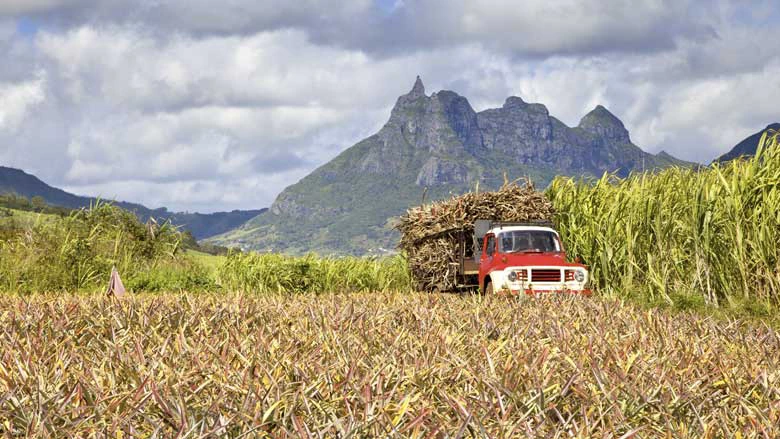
[{"x": 202, "y": 106}]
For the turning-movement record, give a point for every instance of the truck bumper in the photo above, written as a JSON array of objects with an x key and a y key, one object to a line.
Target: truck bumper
[{"x": 540, "y": 291}]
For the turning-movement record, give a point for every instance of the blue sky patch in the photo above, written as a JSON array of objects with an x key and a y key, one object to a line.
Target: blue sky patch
[{"x": 26, "y": 27}]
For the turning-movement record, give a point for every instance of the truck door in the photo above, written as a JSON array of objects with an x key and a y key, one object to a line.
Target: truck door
[{"x": 486, "y": 260}]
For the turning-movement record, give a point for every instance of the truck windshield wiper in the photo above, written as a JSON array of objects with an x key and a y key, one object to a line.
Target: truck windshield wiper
[{"x": 528, "y": 251}]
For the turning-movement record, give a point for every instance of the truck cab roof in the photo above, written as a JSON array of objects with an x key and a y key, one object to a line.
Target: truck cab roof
[{"x": 498, "y": 229}]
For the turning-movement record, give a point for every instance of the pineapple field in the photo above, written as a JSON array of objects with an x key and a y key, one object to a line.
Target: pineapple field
[{"x": 379, "y": 365}]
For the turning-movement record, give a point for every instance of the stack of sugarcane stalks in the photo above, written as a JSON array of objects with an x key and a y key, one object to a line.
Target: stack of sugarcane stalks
[{"x": 430, "y": 233}]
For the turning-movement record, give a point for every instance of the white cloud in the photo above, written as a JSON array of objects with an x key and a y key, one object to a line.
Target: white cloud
[
  {"x": 544, "y": 27},
  {"x": 530, "y": 27},
  {"x": 704, "y": 119},
  {"x": 194, "y": 196},
  {"x": 128, "y": 66},
  {"x": 18, "y": 100}
]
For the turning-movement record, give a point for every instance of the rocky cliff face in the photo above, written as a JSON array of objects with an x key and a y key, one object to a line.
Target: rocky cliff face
[
  {"x": 437, "y": 171},
  {"x": 528, "y": 134},
  {"x": 438, "y": 144},
  {"x": 444, "y": 125}
]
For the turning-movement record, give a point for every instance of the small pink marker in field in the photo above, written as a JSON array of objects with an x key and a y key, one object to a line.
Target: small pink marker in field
[{"x": 115, "y": 287}]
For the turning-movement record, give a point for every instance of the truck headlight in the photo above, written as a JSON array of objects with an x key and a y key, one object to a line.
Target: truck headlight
[
  {"x": 512, "y": 276},
  {"x": 579, "y": 276}
]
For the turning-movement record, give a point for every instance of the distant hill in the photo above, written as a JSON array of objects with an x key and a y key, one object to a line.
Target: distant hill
[
  {"x": 200, "y": 225},
  {"x": 21, "y": 183},
  {"x": 748, "y": 146},
  {"x": 434, "y": 146}
]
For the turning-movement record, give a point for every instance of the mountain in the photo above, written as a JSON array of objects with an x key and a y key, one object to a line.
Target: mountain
[
  {"x": 200, "y": 225},
  {"x": 748, "y": 146},
  {"x": 431, "y": 147}
]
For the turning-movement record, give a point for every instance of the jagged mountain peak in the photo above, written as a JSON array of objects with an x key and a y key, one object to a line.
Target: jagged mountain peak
[
  {"x": 411, "y": 100},
  {"x": 604, "y": 124},
  {"x": 418, "y": 89},
  {"x": 514, "y": 103},
  {"x": 600, "y": 115},
  {"x": 443, "y": 122},
  {"x": 448, "y": 98}
]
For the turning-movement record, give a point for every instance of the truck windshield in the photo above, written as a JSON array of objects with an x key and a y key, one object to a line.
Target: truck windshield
[{"x": 518, "y": 241}]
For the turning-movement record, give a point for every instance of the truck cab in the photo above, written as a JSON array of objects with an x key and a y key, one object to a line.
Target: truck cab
[{"x": 527, "y": 259}]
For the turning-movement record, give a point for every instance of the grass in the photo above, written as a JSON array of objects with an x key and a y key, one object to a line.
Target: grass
[
  {"x": 275, "y": 273},
  {"x": 379, "y": 365},
  {"x": 208, "y": 261}
]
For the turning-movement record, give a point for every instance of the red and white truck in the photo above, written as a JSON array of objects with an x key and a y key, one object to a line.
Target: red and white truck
[
  {"x": 517, "y": 258},
  {"x": 527, "y": 258}
]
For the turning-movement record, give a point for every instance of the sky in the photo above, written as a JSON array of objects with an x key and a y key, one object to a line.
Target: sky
[{"x": 207, "y": 106}]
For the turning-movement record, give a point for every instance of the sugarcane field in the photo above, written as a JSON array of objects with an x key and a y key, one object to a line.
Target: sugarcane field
[{"x": 236, "y": 219}]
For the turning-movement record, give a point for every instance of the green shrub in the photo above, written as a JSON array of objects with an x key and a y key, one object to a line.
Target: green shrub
[{"x": 78, "y": 251}]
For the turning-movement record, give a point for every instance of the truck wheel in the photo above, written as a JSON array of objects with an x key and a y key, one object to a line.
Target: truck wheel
[{"x": 489, "y": 289}]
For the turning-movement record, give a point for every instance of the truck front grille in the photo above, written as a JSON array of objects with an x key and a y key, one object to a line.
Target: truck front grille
[{"x": 545, "y": 275}]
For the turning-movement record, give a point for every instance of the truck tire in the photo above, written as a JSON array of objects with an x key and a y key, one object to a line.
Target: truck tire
[{"x": 489, "y": 289}]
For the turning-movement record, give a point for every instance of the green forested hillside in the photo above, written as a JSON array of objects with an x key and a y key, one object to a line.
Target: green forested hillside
[{"x": 17, "y": 182}]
